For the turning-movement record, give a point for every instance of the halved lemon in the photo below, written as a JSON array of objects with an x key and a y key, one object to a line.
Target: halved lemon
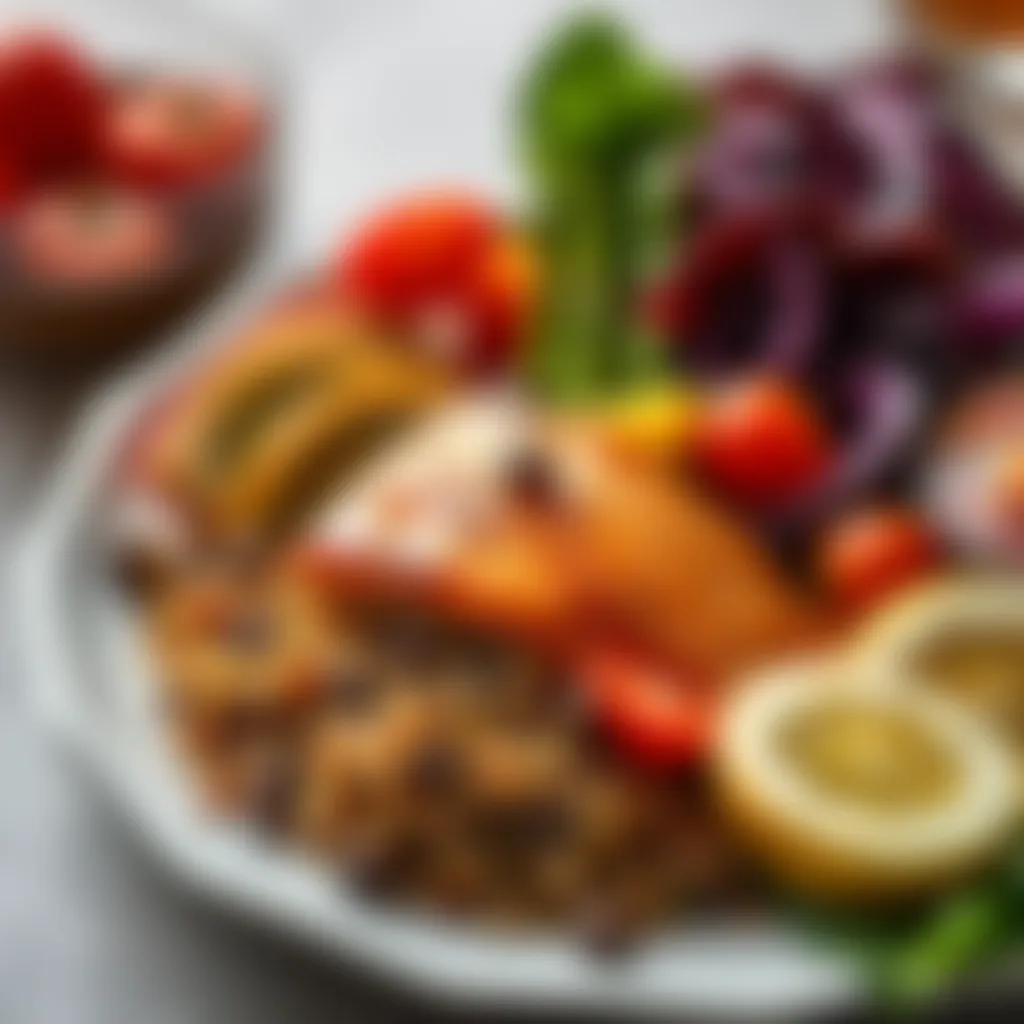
[
  {"x": 964, "y": 639},
  {"x": 854, "y": 792}
]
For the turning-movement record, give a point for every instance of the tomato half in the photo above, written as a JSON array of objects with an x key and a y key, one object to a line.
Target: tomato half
[
  {"x": 442, "y": 269},
  {"x": 654, "y": 715},
  {"x": 761, "y": 442},
  {"x": 871, "y": 553}
]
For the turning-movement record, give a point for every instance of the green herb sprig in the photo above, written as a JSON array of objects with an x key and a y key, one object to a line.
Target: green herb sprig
[{"x": 600, "y": 126}]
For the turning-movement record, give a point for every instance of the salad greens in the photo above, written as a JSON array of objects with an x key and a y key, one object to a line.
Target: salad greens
[
  {"x": 968, "y": 928},
  {"x": 911, "y": 957},
  {"x": 600, "y": 126}
]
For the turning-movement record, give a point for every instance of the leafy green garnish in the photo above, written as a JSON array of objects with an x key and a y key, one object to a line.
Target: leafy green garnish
[
  {"x": 912, "y": 957},
  {"x": 600, "y": 123},
  {"x": 966, "y": 930}
]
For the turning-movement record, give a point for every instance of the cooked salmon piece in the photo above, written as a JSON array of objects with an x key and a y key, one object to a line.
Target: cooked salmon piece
[{"x": 491, "y": 516}]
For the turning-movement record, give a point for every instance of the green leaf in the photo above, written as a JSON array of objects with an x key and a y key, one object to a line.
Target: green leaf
[
  {"x": 913, "y": 955},
  {"x": 962, "y": 934},
  {"x": 597, "y": 117}
]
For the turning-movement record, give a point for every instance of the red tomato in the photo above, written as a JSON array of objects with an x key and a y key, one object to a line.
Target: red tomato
[
  {"x": 79, "y": 237},
  {"x": 52, "y": 105},
  {"x": 873, "y": 552},
  {"x": 415, "y": 250},
  {"x": 166, "y": 132},
  {"x": 761, "y": 442},
  {"x": 655, "y": 716},
  {"x": 439, "y": 267}
]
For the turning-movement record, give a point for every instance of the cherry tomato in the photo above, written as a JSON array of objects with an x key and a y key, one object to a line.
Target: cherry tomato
[
  {"x": 657, "y": 717},
  {"x": 762, "y": 442},
  {"x": 76, "y": 236},
  {"x": 52, "y": 105},
  {"x": 415, "y": 249},
  {"x": 873, "y": 552},
  {"x": 166, "y": 132},
  {"x": 440, "y": 267}
]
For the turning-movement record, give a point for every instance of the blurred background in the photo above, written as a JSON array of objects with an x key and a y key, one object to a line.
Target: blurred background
[{"x": 375, "y": 96}]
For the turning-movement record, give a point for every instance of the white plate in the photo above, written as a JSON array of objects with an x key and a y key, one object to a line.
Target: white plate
[{"x": 81, "y": 651}]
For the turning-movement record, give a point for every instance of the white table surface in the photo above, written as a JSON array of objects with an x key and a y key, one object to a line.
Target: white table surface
[{"x": 384, "y": 93}]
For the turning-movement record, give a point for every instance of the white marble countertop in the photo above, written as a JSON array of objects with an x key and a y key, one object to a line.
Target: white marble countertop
[{"x": 382, "y": 93}]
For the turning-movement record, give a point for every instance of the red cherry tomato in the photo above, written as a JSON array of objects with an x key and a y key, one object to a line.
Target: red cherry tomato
[
  {"x": 52, "y": 105},
  {"x": 440, "y": 267},
  {"x": 871, "y": 553},
  {"x": 170, "y": 133},
  {"x": 653, "y": 714},
  {"x": 413, "y": 251},
  {"x": 91, "y": 236},
  {"x": 761, "y": 442}
]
